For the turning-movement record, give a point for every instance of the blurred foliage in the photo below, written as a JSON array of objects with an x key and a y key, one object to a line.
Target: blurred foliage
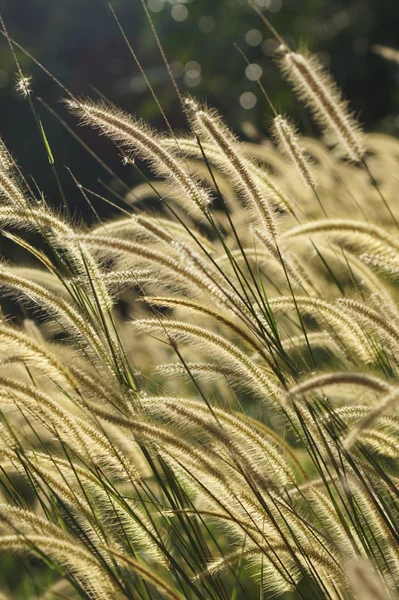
[{"x": 80, "y": 43}]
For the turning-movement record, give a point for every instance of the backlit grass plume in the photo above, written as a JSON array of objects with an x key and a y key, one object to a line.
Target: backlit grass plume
[
  {"x": 200, "y": 401},
  {"x": 287, "y": 139},
  {"x": 317, "y": 89}
]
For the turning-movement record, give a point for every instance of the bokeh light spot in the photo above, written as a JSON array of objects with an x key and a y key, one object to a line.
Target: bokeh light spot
[
  {"x": 155, "y": 5},
  {"x": 341, "y": 19},
  {"x": 192, "y": 75},
  {"x": 177, "y": 68},
  {"x": 179, "y": 12},
  {"x": 254, "y": 37},
  {"x": 248, "y": 100},
  {"x": 253, "y": 72},
  {"x": 192, "y": 69},
  {"x": 274, "y": 5},
  {"x": 270, "y": 46}
]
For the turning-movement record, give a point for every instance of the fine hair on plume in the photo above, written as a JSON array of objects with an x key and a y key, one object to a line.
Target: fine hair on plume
[{"x": 319, "y": 92}]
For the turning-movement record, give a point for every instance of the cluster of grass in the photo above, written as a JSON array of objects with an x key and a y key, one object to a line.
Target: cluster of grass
[{"x": 200, "y": 401}]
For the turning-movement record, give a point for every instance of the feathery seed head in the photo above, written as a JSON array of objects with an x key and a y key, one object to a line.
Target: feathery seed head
[
  {"x": 208, "y": 125},
  {"x": 147, "y": 144},
  {"x": 6, "y": 162},
  {"x": 320, "y": 93},
  {"x": 386, "y": 52},
  {"x": 23, "y": 85},
  {"x": 10, "y": 190},
  {"x": 365, "y": 582},
  {"x": 191, "y": 105},
  {"x": 287, "y": 138}
]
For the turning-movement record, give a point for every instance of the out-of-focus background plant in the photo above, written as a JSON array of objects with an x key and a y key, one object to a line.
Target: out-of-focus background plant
[{"x": 79, "y": 41}]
